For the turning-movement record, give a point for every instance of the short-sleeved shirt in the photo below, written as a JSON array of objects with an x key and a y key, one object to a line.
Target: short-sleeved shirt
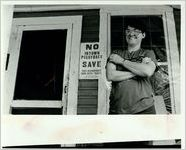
[{"x": 135, "y": 94}]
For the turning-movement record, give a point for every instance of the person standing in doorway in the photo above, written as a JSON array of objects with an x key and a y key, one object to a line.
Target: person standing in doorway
[{"x": 130, "y": 71}]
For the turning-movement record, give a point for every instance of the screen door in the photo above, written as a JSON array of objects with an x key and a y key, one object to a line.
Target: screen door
[
  {"x": 42, "y": 66},
  {"x": 40, "y": 72}
]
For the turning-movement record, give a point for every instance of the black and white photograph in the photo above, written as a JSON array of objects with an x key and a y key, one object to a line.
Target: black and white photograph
[{"x": 71, "y": 72}]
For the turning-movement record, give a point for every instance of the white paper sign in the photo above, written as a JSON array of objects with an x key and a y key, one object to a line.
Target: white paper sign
[{"x": 90, "y": 61}]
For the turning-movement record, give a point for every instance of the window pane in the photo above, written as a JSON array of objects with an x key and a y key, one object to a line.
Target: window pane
[{"x": 41, "y": 65}]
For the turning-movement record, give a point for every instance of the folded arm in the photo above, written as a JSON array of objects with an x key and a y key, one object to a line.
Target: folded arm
[
  {"x": 115, "y": 75},
  {"x": 144, "y": 69},
  {"x": 140, "y": 69}
]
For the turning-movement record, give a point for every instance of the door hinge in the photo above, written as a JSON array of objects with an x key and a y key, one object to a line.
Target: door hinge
[
  {"x": 7, "y": 61},
  {"x": 66, "y": 89}
]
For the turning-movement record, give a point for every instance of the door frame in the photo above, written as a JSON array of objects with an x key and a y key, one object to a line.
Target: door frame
[
  {"x": 73, "y": 24},
  {"x": 170, "y": 40}
]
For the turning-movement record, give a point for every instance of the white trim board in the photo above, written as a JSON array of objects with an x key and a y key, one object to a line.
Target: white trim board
[
  {"x": 105, "y": 6},
  {"x": 37, "y": 103}
]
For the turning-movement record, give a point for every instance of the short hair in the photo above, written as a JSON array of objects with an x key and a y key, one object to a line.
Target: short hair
[{"x": 135, "y": 22}]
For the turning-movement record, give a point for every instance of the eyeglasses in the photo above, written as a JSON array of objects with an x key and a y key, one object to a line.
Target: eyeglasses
[{"x": 135, "y": 31}]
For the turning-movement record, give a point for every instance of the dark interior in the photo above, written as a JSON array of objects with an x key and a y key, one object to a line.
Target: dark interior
[{"x": 41, "y": 65}]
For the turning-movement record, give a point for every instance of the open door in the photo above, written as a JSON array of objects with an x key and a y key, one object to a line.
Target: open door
[
  {"x": 160, "y": 38},
  {"x": 40, "y": 65}
]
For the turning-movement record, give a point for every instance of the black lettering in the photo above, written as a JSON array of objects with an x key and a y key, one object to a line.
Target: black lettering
[
  {"x": 88, "y": 47},
  {"x": 93, "y": 63},
  {"x": 84, "y": 64},
  {"x": 96, "y": 46},
  {"x": 99, "y": 64},
  {"x": 89, "y": 64}
]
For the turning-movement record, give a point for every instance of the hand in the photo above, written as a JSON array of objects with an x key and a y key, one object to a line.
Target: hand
[
  {"x": 146, "y": 60},
  {"x": 116, "y": 59}
]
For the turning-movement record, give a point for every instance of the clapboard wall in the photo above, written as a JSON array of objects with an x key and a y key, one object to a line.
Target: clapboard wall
[{"x": 87, "y": 89}]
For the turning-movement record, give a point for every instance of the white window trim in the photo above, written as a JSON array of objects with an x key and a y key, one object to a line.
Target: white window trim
[
  {"x": 73, "y": 25},
  {"x": 171, "y": 46}
]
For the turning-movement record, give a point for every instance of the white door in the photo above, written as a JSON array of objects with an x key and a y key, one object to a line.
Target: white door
[{"x": 40, "y": 65}]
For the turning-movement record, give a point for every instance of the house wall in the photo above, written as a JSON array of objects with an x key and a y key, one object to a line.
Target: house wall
[{"x": 88, "y": 88}]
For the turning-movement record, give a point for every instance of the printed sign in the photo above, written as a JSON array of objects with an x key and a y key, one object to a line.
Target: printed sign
[{"x": 90, "y": 61}]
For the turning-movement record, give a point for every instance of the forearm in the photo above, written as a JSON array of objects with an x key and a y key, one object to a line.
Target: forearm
[
  {"x": 116, "y": 75},
  {"x": 140, "y": 69}
]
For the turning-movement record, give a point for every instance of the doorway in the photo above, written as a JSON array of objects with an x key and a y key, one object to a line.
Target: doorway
[
  {"x": 39, "y": 69},
  {"x": 160, "y": 38}
]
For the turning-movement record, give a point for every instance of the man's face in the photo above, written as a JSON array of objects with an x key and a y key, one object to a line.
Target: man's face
[{"x": 134, "y": 36}]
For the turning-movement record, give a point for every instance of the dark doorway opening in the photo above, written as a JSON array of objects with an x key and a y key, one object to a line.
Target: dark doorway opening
[{"x": 41, "y": 65}]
